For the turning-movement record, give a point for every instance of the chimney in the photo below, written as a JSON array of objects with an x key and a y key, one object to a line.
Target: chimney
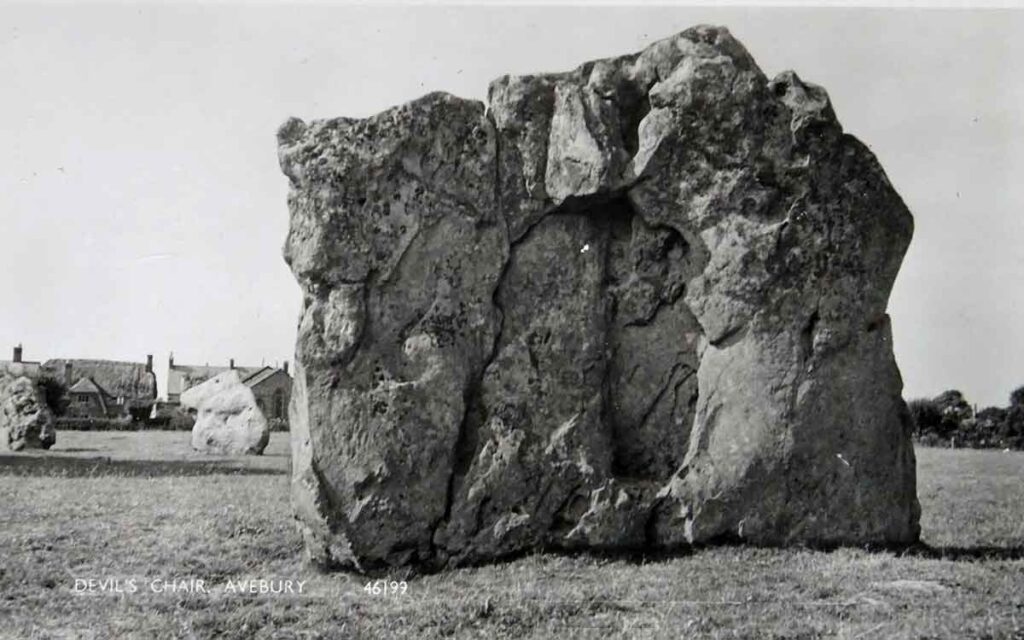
[
  {"x": 17, "y": 353},
  {"x": 149, "y": 363},
  {"x": 67, "y": 373},
  {"x": 231, "y": 363},
  {"x": 285, "y": 367},
  {"x": 170, "y": 360}
]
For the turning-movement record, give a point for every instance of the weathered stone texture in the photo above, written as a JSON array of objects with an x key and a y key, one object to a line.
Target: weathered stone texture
[
  {"x": 26, "y": 422},
  {"x": 640, "y": 304},
  {"x": 228, "y": 420}
]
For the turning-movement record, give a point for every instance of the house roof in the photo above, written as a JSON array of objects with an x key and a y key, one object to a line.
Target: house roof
[
  {"x": 259, "y": 376},
  {"x": 193, "y": 396},
  {"x": 193, "y": 369},
  {"x": 267, "y": 374},
  {"x": 179, "y": 373},
  {"x": 85, "y": 385},
  {"x": 115, "y": 378}
]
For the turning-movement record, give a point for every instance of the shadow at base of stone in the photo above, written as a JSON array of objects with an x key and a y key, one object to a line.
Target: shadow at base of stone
[
  {"x": 975, "y": 553},
  {"x": 42, "y": 464},
  {"x": 640, "y": 556}
]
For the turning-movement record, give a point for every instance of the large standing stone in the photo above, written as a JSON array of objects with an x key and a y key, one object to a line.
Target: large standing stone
[
  {"x": 26, "y": 422},
  {"x": 228, "y": 420},
  {"x": 640, "y": 304}
]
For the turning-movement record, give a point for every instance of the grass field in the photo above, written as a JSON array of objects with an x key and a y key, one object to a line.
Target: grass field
[{"x": 140, "y": 506}]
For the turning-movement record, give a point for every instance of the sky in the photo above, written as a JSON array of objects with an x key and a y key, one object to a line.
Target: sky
[{"x": 142, "y": 209}]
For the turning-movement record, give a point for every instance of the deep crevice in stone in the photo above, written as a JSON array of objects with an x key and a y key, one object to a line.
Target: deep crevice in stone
[
  {"x": 730, "y": 337},
  {"x": 654, "y": 260},
  {"x": 466, "y": 440},
  {"x": 615, "y": 220},
  {"x": 633, "y": 111},
  {"x": 807, "y": 336}
]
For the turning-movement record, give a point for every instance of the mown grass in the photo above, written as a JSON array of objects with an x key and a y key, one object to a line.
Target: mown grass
[{"x": 141, "y": 506}]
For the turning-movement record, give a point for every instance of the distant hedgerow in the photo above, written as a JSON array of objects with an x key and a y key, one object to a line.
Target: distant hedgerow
[{"x": 949, "y": 420}]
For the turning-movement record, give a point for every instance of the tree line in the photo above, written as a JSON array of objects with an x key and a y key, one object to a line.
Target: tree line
[{"x": 949, "y": 420}]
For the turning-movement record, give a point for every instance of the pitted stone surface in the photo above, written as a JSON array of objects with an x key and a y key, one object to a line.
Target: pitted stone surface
[
  {"x": 636, "y": 305},
  {"x": 26, "y": 422}
]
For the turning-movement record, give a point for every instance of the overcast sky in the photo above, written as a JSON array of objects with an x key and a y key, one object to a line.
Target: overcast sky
[{"x": 142, "y": 209}]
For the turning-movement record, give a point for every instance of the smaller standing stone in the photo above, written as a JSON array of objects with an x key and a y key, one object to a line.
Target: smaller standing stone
[
  {"x": 228, "y": 420},
  {"x": 26, "y": 422}
]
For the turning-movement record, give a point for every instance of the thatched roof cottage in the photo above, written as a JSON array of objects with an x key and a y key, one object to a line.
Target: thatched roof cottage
[{"x": 106, "y": 388}]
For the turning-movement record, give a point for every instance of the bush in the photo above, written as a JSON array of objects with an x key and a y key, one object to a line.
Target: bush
[
  {"x": 1017, "y": 397},
  {"x": 1013, "y": 423},
  {"x": 926, "y": 415},
  {"x": 98, "y": 424},
  {"x": 948, "y": 420},
  {"x": 955, "y": 417},
  {"x": 931, "y": 440},
  {"x": 55, "y": 392},
  {"x": 171, "y": 418},
  {"x": 991, "y": 419},
  {"x": 992, "y": 427}
]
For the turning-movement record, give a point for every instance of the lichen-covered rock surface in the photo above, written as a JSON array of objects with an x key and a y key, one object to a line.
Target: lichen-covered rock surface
[
  {"x": 641, "y": 304},
  {"x": 228, "y": 419},
  {"x": 26, "y": 421}
]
